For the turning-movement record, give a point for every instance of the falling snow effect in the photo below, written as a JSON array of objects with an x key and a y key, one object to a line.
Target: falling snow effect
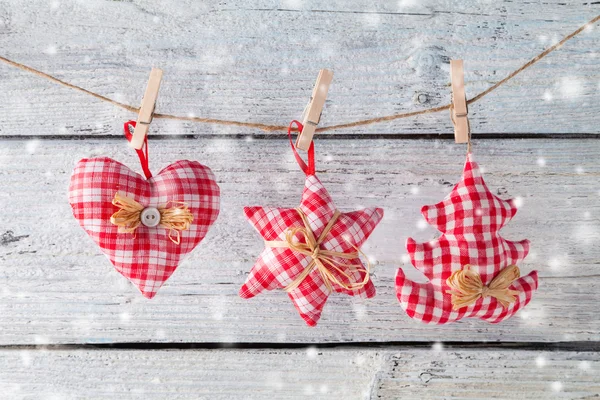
[{"x": 390, "y": 59}]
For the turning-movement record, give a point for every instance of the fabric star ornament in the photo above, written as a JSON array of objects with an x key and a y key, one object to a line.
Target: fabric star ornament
[
  {"x": 144, "y": 226},
  {"x": 312, "y": 250},
  {"x": 472, "y": 270}
]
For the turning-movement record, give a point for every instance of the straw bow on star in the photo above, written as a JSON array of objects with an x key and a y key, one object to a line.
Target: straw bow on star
[{"x": 321, "y": 259}]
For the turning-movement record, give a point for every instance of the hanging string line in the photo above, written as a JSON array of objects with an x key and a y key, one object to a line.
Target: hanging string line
[{"x": 272, "y": 128}]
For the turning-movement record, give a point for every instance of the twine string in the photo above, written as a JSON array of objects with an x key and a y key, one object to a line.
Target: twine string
[
  {"x": 272, "y": 128},
  {"x": 321, "y": 259},
  {"x": 466, "y": 286},
  {"x": 176, "y": 218}
]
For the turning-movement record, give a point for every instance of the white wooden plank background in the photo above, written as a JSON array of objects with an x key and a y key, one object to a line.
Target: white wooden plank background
[
  {"x": 191, "y": 374},
  {"x": 268, "y": 374},
  {"x": 488, "y": 373},
  {"x": 58, "y": 287},
  {"x": 257, "y": 61}
]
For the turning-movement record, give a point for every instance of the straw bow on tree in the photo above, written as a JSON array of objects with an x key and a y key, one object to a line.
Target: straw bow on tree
[{"x": 467, "y": 286}]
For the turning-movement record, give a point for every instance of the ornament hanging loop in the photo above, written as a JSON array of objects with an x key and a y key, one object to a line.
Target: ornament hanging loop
[
  {"x": 458, "y": 109},
  {"x": 309, "y": 169},
  {"x": 142, "y": 152}
]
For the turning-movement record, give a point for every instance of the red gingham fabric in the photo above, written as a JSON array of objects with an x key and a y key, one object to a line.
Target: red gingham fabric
[
  {"x": 277, "y": 267},
  {"x": 148, "y": 257},
  {"x": 469, "y": 218}
]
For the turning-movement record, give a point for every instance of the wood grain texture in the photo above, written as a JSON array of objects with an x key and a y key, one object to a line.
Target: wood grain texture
[
  {"x": 257, "y": 61},
  {"x": 487, "y": 374},
  {"x": 296, "y": 374},
  {"x": 58, "y": 288},
  {"x": 192, "y": 374}
]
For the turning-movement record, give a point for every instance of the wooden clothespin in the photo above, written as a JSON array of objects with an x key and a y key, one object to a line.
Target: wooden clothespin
[
  {"x": 459, "y": 110},
  {"x": 146, "y": 109},
  {"x": 312, "y": 113}
]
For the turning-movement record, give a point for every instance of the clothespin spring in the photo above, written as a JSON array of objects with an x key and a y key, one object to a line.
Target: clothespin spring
[
  {"x": 468, "y": 123},
  {"x": 305, "y": 112}
]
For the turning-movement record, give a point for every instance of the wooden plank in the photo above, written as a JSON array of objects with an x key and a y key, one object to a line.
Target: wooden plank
[
  {"x": 58, "y": 288},
  {"x": 192, "y": 374},
  {"x": 488, "y": 373},
  {"x": 286, "y": 374},
  {"x": 257, "y": 63}
]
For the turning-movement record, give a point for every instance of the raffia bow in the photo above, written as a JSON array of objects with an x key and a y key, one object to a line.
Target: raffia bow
[
  {"x": 467, "y": 286},
  {"x": 175, "y": 219},
  {"x": 323, "y": 260}
]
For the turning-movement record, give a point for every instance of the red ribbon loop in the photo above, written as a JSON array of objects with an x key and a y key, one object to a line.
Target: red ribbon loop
[
  {"x": 143, "y": 152},
  {"x": 310, "y": 168}
]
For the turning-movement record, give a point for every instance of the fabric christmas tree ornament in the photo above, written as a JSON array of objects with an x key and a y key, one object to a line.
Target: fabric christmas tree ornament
[
  {"x": 472, "y": 270},
  {"x": 144, "y": 226},
  {"x": 311, "y": 250}
]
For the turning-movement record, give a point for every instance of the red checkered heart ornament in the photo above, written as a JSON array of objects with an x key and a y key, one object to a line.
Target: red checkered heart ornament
[
  {"x": 144, "y": 226},
  {"x": 472, "y": 270},
  {"x": 313, "y": 250}
]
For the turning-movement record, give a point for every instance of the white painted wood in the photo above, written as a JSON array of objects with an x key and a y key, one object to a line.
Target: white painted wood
[
  {"x": 487, "y": 374},
  {"x": 56, "y": 286},
  {"x": 257, "y": 61},
  {"x": 192, "y": 374},
  {"x": 304, "y": 373}
]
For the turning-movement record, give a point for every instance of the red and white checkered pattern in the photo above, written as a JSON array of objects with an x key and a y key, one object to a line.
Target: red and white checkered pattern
[
  {"x": 148, "y": 257},
  {"x": 277, "y": 267},
  {"x": 469, "y": 218}
]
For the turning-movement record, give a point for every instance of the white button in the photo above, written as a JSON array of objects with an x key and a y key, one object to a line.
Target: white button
[{"x": 150, "y": 217}]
